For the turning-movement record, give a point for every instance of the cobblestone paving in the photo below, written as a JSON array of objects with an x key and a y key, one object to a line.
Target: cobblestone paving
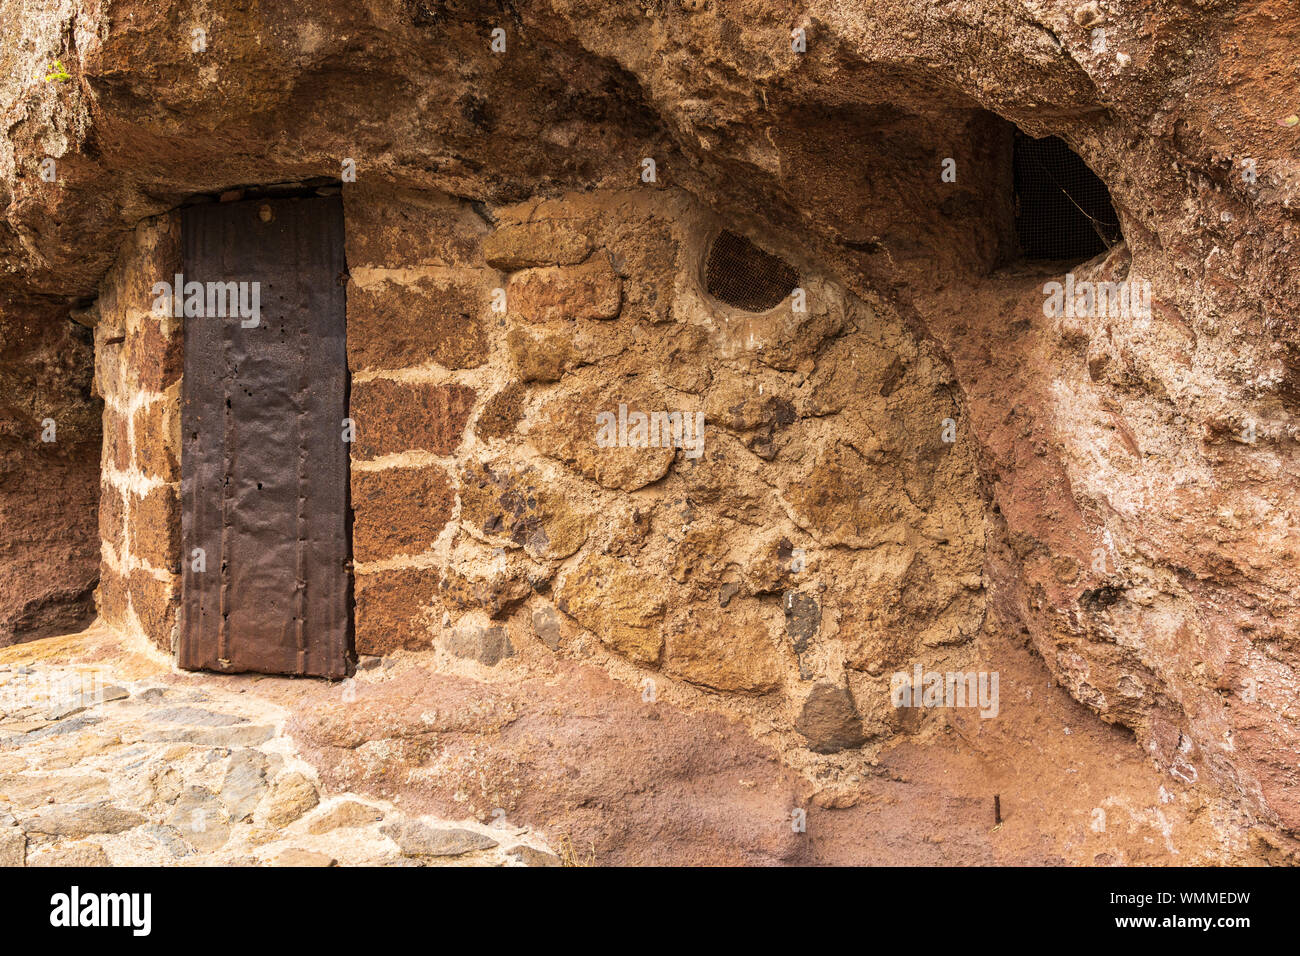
[{"x": 97, "y": 770}]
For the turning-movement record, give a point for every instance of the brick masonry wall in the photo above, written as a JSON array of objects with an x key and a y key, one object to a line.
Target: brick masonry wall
[{"x": 138, "y": 366}]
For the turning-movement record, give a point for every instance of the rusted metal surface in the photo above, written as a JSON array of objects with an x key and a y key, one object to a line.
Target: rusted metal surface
[{"x": 264, "y": 471}]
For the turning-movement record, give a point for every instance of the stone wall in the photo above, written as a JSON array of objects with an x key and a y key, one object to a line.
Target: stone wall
[
  {"x": 138, "y": 365},
  {"x": 1127, "y": 440},
  {"x": 824, "y": 537},
  {"x": 418, "y": 342}
]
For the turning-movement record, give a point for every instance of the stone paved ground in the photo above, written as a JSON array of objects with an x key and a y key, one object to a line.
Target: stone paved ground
[{"x": 113, "y": 764}]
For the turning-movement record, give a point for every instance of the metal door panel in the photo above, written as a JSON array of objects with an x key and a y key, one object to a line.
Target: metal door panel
[{"x": 264, "y": 473}]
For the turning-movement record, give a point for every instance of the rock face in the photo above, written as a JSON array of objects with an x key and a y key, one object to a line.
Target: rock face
[
  {"x": 49, "y": 470},
  {"x": 1119, "y": 490}
]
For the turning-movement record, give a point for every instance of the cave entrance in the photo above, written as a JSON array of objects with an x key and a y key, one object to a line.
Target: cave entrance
[
  {"x": 264, "y": 464},
  {"x": 1063, "y": 209}
]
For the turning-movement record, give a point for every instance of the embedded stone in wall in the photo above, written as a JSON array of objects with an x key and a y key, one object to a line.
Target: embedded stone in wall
[
  {"x": 487, "y": 645},
  {"x": 845, "y": 497},
  {"x": 704, "y": 554},
  {"x": 567, "y": 431},
  {"x": 501, "y": 413},
  {"x": 107, "y": 382},
  {"x": 152, "y": 254},
  {"x": 619, "y": 604},
  {"x": 829, "y": 720},
  {"x": 155, "y": 602},
  {"x": 392, "y": 417},
  {"x": 154, "y": 358},
  {"x": 527, "y": 245},
  {"x": 546, "y": 625},
  {"x": 588, "y": 291},
  {"x": 755, "y": 416},
  {"x": 431, "y": 319},
  {"x": 157, "y": 438},
  {"x": 522, "y": 507},
  {"x": 155, "y": 523},
  {"x": 496, "y": 593},
  {"x": 112, "y": 518},
  {"x": 111, "y": 595},
  {"x": 725, "y": 649},
  {"x": 390, "y": 611},
  {"x": 117, "y": 440},
  {"x": 802, "y": 619},
  {"x": 397, "y": 229},
  {"x": 542, "y": 355},
  {"x": 398, "y": 511}
]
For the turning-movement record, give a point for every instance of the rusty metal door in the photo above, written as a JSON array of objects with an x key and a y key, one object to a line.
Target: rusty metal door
[{"x": 266, "y": 584}]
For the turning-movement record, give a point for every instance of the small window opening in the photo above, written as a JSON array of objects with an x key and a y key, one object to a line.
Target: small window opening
[
  {"x": 739, "y": 274},
  {"x": 1063, "y": 210}
]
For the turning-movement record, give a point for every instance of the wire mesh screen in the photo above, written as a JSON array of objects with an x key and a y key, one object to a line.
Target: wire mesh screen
[
  {"x": 742, "y": 275},
  {"x": 1063, "y": 211}
]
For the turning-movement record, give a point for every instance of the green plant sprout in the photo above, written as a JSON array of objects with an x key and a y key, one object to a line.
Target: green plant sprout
[{"x": 57, "y": 72}]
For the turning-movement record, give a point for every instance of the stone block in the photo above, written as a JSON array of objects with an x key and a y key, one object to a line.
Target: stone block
[
  {"x": 391, "y": 608},
  {"x": 588, "y": 291},
  {"x": 487, "y": 645},
  {"x": 393, "y": 417},
  {"x": 157, "y": 432},
  {"x": 396, "y": 228},
  {"x": 430, "y": 319},
  {"x": 154, "y": 358},
  {"x": 154, "y": 523},
  {"x": 829, "y": 720},
  {"x": 156, "y": 601},
  {"x": 623, "y": 607},
  {"x": 398, "y": 511},
  {"x": 527, "y": 245}
]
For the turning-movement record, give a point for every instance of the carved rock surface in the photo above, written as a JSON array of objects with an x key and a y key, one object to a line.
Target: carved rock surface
[{"x": 1121, "y": 491}]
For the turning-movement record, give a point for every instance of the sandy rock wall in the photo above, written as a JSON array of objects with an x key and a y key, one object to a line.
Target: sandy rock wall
[{"x": 49, "y": 461}]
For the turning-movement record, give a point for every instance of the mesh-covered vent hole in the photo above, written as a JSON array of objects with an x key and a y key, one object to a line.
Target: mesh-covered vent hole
[
  {"x": 1063, "y": 210},
  {"x": 739, "y": 274}
]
